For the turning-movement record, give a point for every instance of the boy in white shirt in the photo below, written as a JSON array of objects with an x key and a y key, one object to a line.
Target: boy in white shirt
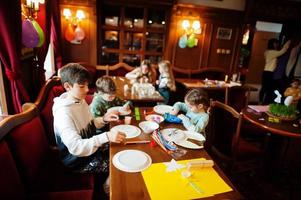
[{"x": 81, "y": 149}]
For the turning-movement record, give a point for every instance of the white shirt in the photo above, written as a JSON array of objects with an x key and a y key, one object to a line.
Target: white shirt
[{"x": 271, "y": 57}]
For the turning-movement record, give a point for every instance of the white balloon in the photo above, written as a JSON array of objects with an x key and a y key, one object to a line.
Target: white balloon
[{"x": 288, "y": 100}]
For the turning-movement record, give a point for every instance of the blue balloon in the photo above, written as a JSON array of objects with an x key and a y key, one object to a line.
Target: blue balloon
[{"x": 183, "y": 41}]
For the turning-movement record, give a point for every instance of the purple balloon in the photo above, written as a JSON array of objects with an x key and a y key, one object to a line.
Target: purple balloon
[{"x": 30, "y": 37}]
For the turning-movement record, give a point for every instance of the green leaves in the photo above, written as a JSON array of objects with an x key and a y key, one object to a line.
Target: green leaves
[{"x": 282, "y": 110}]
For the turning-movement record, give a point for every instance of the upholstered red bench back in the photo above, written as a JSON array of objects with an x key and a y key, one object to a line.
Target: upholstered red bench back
[
  {"x": 46, "y": 113},
  {"x": 40, "y": 168},
  {"x": 29, "y": 145},
  {"x": 10, "y": 182}
]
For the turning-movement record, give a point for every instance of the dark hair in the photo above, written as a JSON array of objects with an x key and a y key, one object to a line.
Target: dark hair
[
  {"x": 74, "y": 73},
  {"x": 106, "y": 85},
  {"x": 196, "y": 97},
  {"x": 271, "y": 43}
]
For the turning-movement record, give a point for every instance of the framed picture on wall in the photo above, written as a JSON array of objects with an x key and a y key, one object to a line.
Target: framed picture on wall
[{"x": 224, "y": 33}]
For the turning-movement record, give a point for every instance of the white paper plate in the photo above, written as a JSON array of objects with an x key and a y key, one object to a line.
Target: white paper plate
[
  {"x": 180, "y": 137},
  {"x": 130, "y": 130},
  {"x": 173, "y": 134},
  {"x": 154, "y": 118},
  {"x": 189, "y": 145},
  {"x": 161, "y": 109},
  {"x": 120, "y": 110},
  {"x": 131, "y": 160}
]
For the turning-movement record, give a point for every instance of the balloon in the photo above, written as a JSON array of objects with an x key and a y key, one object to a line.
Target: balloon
[
  {"x": 40, "y": 32},
  {"x": 183, "y": 41},
  {"x": 79, "y": 33},
  {"x": 191, "y": 41},
  {"x": 30, "y": 37},
  {"x": 69, "y": 33},
  {"x": 288, "y": 100}
]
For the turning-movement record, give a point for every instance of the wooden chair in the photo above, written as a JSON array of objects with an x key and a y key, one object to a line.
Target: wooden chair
[
  {"x": 237, "y": 97},
  {"x": 181, "y": 73},
  {"x": 120, "y": 69},
  {"x": 224, "y": 140}
]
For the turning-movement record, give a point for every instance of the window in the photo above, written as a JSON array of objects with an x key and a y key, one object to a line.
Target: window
[
  {"x": 49, "y": 62},
  {"x": 131, "y": 34}
]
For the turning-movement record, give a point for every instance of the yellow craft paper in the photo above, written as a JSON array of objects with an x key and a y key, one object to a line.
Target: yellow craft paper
[{"x": 171, "y": 185}]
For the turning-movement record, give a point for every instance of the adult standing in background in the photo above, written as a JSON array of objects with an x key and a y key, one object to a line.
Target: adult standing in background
[
  {"x": 293, "y": 67},
  {"x": 270, "y": 55}
]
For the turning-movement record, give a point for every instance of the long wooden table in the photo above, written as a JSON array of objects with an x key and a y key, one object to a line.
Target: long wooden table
[
  {"x": 121, "y": 81},
  {"x": 131, "y": 185}
]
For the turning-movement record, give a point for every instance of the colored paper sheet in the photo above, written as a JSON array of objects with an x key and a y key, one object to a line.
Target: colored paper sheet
[
  {"x": 163, "y": 185},
  {"x": 259, "y": 108},
  {"x": 137, "y": 113}
]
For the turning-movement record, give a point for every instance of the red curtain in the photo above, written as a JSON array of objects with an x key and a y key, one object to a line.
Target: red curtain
[
  {"x": 56, "y": 32},
  {"x": 10, "y": 45},
  {"x": 43, "y": 19}
]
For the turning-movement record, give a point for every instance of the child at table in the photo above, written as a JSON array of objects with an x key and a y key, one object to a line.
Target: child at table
[
  {"x": 143, "y": 74},
  {"x": 81, "y": 149},
  {"x": 105, "y": 97},
  {"x": 166, "y": 82},
  {"x": 196, "y": 103}
]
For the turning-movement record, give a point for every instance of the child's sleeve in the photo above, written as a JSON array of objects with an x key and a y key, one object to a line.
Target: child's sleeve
[
  {"x": 132, "y": 74},
  {"x": 95, "y": 107},
  {"x": 180, "y": 106},
  {"x": 199, "y": 126}
]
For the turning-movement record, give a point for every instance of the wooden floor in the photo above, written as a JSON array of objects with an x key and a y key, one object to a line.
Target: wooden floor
[{"x": 282, "y": 184}]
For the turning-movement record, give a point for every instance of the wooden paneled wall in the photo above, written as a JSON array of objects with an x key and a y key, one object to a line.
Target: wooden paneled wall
[{"x": 210, "y": 51}]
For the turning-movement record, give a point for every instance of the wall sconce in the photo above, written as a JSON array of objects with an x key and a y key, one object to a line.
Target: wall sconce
[
  {"x": 188, "y": 38},
  {"x": 31, "y": 8},
  {"x": 74, "y": 33}
]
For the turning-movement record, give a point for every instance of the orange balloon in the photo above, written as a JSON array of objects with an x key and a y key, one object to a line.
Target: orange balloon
[{"x": 69, "y": 33}]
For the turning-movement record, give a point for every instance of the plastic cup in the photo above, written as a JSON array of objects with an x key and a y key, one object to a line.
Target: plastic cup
[{"x": 127, "y": 120}]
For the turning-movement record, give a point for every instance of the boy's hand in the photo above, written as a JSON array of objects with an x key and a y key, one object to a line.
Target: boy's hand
[
  {"x": 157, "y": 82},
  {"x": 110, "y": 117},
  {"x": 117, "y": 137}
]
